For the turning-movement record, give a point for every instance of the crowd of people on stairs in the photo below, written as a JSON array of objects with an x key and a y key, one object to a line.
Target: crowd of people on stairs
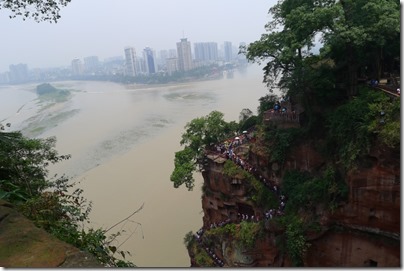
[{"x": 227, "y": 150}]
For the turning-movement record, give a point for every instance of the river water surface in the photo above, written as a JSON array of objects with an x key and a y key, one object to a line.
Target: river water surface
[{"x": 122, "y": 141}]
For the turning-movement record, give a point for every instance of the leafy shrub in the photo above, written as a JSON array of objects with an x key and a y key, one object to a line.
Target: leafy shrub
[
  {"x": 262, "y": 196},
  {"x": 248, "y": 233},
  {"x": 259, "y": 193},
  {"x": 248, "y": 123},
  {"x": 280, "y": 142},
  {"x": 266, "y": 102},
  {"x": 45, "y": 88},
  {"x": 305, "y": 191},
  {"x": 232, "y": 170},
  {"x": 353, "y": 126},
  {"x": 296, "y": 245},
  {"x": 54, "y": 205},
  {"x": 202, "y": 259}
]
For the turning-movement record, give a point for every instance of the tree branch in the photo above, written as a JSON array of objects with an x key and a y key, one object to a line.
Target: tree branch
[{"x": 123, "y": 220}]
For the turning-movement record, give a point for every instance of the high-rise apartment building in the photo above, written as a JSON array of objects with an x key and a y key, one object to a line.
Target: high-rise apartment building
[
  {"x": 91, "y": 64},
  {"x": 172, "y": 53},
  {"x": 161, "y": 60},
  {"x": 18, "y": 73},
  {"x": 206, "y": 51},
  {"x": 184, "y": 55},
  {"x": 150, "y": 60},
  {"x": 77, "y": 67},
  {"x": 131, "y": 68},
  {"x": 228, "y": 51},
  {"x": 171, "y": 65}
]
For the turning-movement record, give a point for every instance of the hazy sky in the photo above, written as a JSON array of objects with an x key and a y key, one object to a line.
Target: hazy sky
[{"x": 105, "y": 27}]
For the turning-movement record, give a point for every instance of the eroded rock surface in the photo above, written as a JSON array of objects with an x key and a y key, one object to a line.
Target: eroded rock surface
[{"x": 22, "y": 244}]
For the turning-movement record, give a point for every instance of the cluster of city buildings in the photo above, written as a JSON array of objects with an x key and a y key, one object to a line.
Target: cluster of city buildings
[{"x": 132, "y": 64}]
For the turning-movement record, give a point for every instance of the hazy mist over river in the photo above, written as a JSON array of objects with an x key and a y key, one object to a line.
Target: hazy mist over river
[{"x": 122, "y": 141}]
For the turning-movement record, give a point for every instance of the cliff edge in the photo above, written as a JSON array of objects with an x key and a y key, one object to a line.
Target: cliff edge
[{"x": 25, "y": 245}]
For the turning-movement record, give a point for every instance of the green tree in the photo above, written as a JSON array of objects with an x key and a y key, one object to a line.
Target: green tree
[
  {"x": 245, "y": 114},
  {"x": 354, "y": 126},
  {"x": 359, "y": 34},
  {"x": 287, "y": 47},
  {"x": 52, "y": 204},
  {"x": 350, "y": 30},
  {"x": 39, "y": 10},
  {"x": 24, "y": 162},
  {"x": 200, "y": 133}
]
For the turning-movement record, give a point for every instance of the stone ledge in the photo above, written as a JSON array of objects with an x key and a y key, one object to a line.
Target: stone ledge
[{"x": 22, "y": 244}]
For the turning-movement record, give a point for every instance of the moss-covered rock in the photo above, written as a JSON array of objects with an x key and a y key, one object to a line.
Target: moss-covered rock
[{"x": 25, "y": 245}]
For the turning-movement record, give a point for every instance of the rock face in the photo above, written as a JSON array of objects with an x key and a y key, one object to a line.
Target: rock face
[
  {"x": 370, "y": 218},
  {"x": 364, "y": 231},
  {"x": 24, "y": 245}
]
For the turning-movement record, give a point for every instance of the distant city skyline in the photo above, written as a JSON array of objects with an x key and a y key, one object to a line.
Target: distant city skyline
[
  {"x": 133, "y": 68},
  {"x": 103, "y": 28},
  {"x": 135, "y": 65},
  {"x": 227, "y": 48}
]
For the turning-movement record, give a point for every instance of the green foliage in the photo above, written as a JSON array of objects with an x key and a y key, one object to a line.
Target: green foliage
[
  {"x": 229, "y": 230},
  {"x": 259, "y": 193},
  {"x": 45, "y": 88},
  {"x": 200, "y": 133},
  {"x": 49, "y": 92},
  {"x": 387, "y": 126},
  {"x": 232, "y": 170},
  {"x": 281, "y": 141},
  {"x": 248, "y": 233},
  {"x": 24, "y": 162},
  {"x": 363, "y": 35},
  {"x": 262, "y": 196},
  {"x": 354, "y": 125},
  {"x": 296, "y": 245},
  {"x": 305, "y": 191},
  {"x": 184, "y": 167},
  {"x": 265, "y": 103},
  {"x": 189, "y": 239},
  {"x": 245, "y": 114},
  {"x": 248, "y": 123},
  {"x": 357, "y": 36},
  {"x": 245, "y": 234},
  {"x": 54, "y": 205},
  {"x": 11, "y": 192},
  {"x": 36, "y": 9},
  {"x": 204, "y": 131},
  {"x": 96, "y": 242},
  {"x": 203, "y": 259}
]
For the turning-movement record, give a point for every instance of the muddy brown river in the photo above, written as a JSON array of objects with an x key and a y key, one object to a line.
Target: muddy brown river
[{"x": 122, "y": 141}]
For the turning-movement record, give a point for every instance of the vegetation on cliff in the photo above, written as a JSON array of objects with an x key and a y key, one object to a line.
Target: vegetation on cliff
[
  {"x": 201, "y": 133},
  {"x": 338, "y": 111}
]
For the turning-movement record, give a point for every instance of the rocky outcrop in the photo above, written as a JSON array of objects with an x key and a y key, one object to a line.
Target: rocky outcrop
[
  {"x": 370, "y": 220},
  {"x": 363, "y": 231},
  {"x": 22, "y": 244}
]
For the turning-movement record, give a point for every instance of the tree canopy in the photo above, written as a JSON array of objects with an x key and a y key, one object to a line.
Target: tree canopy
[
  {"x": 353, "y": 34},
  {"x": 199, "y": 134},
  {"x": 39, "y": 10}
]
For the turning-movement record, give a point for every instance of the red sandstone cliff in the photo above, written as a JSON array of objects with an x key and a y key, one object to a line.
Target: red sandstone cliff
[{"x": 362, "y": 231}]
